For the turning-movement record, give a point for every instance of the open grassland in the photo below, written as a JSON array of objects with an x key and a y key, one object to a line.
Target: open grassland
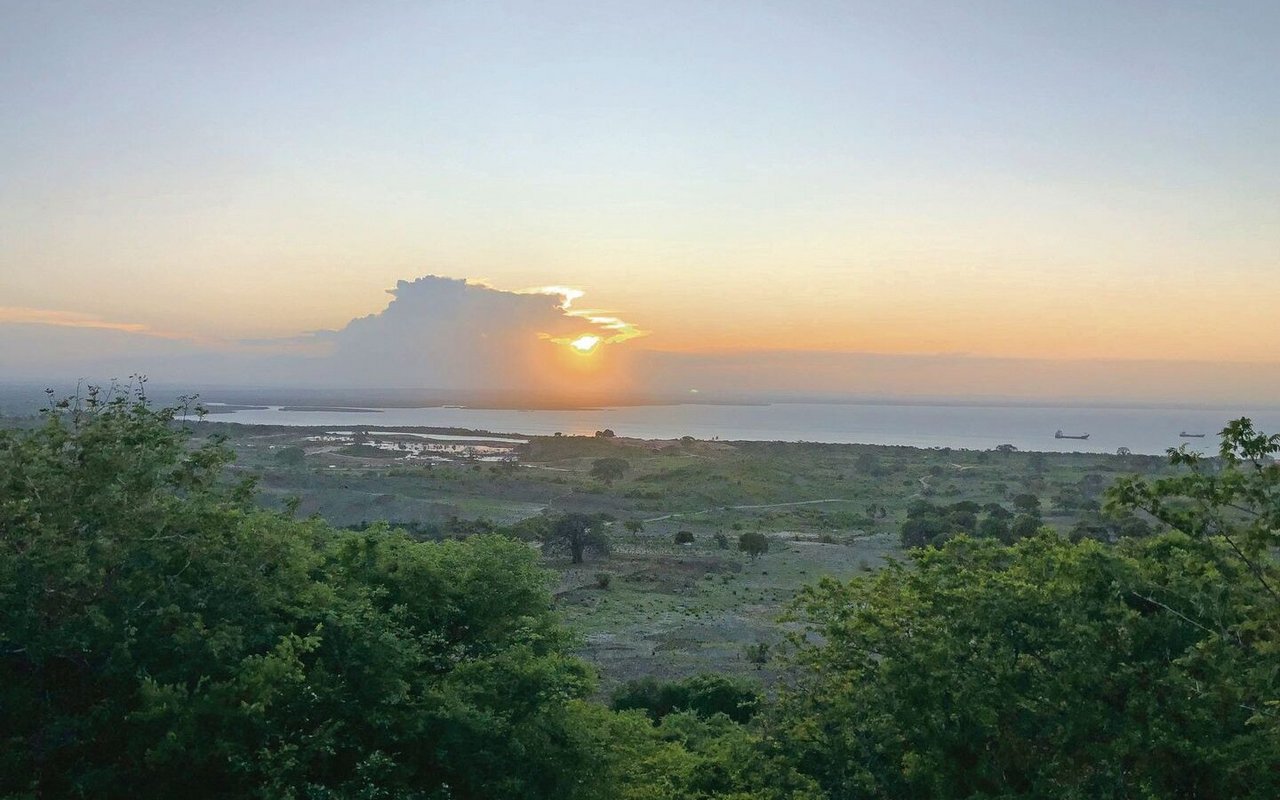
[{"x": 654, "y": 607}]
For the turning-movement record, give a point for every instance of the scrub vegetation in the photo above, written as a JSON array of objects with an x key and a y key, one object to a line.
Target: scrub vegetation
[{"x": 197, "y": 609}]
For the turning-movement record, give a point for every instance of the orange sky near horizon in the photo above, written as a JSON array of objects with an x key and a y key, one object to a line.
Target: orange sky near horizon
[
  {"x": 1043, "y": 182},
  {"x": 1175, "y": 323}
]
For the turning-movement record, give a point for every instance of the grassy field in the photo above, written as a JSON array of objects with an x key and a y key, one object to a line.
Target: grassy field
[{"x": 671, "y": 610}]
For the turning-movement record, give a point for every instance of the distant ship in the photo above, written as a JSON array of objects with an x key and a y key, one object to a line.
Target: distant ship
[
  {"x": 1061, "y": 435},
  {"x": 1186, "y": 435}
]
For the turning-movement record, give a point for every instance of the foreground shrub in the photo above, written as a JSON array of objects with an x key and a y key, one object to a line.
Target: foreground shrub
[
  {"x": 1047, "y": 669},
  {"x": 162, "y": 637},
  {"x": 704, "y": 695}
]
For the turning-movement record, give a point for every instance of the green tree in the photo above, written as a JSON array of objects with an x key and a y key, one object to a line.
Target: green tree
[
  {"x": 577, "y": 534},
  {"x": 1023, "y": 526},
  {"x": 922, "y": 530},
  {"x": 705, "y": 695},
  {"x": 687, "y": 756},
  {"x": 1059, "y": 669},
  {"x": 753, "y": 543},
  {"x": 609, "y": 469},
  {"x": 1027, "y": 504},
  {"x": 1234, "y": 499},
  {"x": 994, "y": 527},
  {"x": 928, "y": 524},
  {"x": 160, "y": 636},
  {"x": 868, "y": 463},
  {"x": 1048, "y": 669},
  {"x": 291, "y": 457}
]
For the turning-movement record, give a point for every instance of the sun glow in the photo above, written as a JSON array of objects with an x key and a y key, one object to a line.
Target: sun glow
[{"x": 585, "y": 344}]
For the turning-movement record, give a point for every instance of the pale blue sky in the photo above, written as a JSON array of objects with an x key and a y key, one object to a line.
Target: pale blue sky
[{"x": 887, "y": 177}]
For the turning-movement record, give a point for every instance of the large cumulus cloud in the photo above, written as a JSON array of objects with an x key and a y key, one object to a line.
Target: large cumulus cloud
[
  {"x": 446, "y": 333},
  {"x": 435, "y": 333}
]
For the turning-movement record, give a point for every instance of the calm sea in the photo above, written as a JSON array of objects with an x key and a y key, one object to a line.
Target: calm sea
[{"x": 1142, "y": 430}]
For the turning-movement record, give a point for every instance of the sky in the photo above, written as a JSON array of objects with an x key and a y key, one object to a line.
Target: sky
[{"x": 989, "y": 184}]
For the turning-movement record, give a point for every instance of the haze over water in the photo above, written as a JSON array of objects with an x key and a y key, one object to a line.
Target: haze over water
[{"x": 1142, "y": 430}]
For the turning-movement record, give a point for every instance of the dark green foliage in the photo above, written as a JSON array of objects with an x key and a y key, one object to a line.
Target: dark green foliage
[
  {"x": 291, "y": 457},
  {"x": 704, "y": 695},
  {"x": 684, "y": 537},
  {"x": 1045, "y": 670},
  {"x": 929, "y": 524},
  {"x": 530, "y": 529},
  {"x": 922, "y": 530},
  {"x": 577, "y": 534},
  {"x": 609, "y": 469},
  {"x": 753, "y": 543},
  {"x": 1024, "y": 526},
  {"x": 453, "y": 527},
  {"x": 869, "y": 464},
  {"x": 757, "y": 652},
  {"x": 1026, "y": 503},
  {"x": 997, "y": 511},
  {"x": 687, "y": 756},
  {"x": 1235, "y": 498},
  {"x": 1054, "y": 669},
  {"x": 994, "y": 527},
  {"x": 1110, "y": 526},
  {"x": 159, "y": 637}
]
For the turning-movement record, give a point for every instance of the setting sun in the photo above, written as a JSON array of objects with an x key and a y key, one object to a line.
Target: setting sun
[{"x": 585, "y": 344}]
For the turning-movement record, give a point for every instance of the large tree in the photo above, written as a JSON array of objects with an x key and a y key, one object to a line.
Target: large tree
[
  {"x": 609, "y": 469},
  {"x": 162, "y": 637},
  {"x": 577, "y": 534},
  {"x": 1053, "y": 669}
]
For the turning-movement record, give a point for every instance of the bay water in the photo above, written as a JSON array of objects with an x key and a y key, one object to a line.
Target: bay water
[{"x": 974, "y": 427}]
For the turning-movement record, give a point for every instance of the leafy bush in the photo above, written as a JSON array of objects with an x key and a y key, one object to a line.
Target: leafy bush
[
  {"x": 609, "y": 469},
  {"x": 753, "y": 543},
  {"x": 162, "y": 637},
  {"x": 1058, "y": 669},
  {"x": 576, "y": 534},
  {"x": 704, "y": 695},
  {"x": 757, "y": 653},
  {"x": 291, "y": 457}
]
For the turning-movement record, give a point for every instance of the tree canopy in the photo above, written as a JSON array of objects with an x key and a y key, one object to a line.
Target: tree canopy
[
  {"x": 609, "y": 469},
  {"x": 161, "y": 636},
  {"x": 578, "y": 534},
  {"x": 1056, "y": 669},
  {"x": 753, "y": 543},
  {"x": 1047, "y": 669}
]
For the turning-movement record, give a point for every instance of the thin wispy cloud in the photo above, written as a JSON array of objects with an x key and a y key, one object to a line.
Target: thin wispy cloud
[
  {"x": 610, "y": 329},
  {"x": 458, "y": 335},
  {"x": 77, "y": 320},
  {"x": 15, "y": 315}
]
